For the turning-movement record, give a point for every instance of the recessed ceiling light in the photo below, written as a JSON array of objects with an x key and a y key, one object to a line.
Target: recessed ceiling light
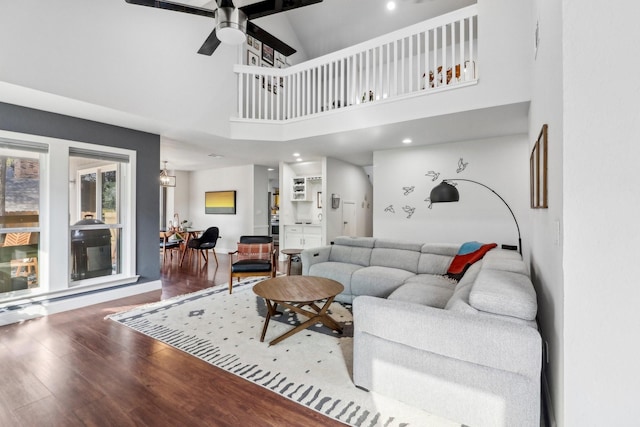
[
  {"x": 391, "y": 5},
  {"x": 298, "y": 159},
  {"x": 407, "y": 141},
  {"x": 296, "y": 154},
  {"x": 270, "y": 169},
  {"x": 215, "y": 156}
]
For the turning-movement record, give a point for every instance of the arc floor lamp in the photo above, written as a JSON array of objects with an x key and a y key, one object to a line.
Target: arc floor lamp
[{"x": 445, "y": 192}]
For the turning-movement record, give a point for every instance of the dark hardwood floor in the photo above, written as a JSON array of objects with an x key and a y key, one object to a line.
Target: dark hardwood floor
[{"x": 78, "y": 369}]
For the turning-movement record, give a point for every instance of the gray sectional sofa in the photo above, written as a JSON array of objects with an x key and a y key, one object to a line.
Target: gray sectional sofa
[{"x": 468, "y": 351}]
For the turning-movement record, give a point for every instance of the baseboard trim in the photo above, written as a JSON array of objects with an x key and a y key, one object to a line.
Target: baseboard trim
[{"x": 45, "y": 307}]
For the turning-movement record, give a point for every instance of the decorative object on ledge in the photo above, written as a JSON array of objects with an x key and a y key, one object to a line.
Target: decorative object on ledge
[
  {"x": 220, "y": 202},
  {"x": 446, "y": 192},
  {"x": 166, "y": 180},
  {"x": 538, "y": 170}
]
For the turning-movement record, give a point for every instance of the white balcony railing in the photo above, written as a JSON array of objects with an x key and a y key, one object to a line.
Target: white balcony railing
[{"x": 433, "y": 55}]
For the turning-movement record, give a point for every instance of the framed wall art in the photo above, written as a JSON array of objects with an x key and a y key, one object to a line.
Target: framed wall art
[
  {"x": 253, "y": 59},
  {"x": 267, "y": 54},
  {"x": 220, "y": 202},
  {"x": 538, "y": 171}
]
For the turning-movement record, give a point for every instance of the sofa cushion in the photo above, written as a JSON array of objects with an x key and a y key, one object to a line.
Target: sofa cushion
[
  {"x": 506, "y": 264},
  {"x": 468, "y": 254},
  {"x": 395, "y": 258},
  {"x": 377, "y": 281},
  {"x": 338, "y": 271},
  {"x": 397, "y": 244},
  {"x": 505, "y": 293},
  {"x": 433, "y": 263},
  {"x": 446, "y": 249},
  {"x": 503, "y": 254},
  {"x": 433, "y": 280},
  {"x": 362, "y": 242},
  {"x": 423, "y": 293},
  {"x": 350, "y": 254}
]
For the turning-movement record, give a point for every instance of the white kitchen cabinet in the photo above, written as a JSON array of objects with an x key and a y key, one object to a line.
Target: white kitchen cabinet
[{"x": 302, "y": 236}]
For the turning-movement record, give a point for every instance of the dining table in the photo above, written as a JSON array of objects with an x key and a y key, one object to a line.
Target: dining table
[{"x": 186, "y": 234}]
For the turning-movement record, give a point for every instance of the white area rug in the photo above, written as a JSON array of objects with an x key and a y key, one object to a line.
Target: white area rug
[{"x": 312, "y": 367}]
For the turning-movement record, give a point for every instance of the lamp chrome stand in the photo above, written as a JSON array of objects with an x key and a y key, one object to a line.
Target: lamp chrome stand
[{"x": 445, "y": 192}]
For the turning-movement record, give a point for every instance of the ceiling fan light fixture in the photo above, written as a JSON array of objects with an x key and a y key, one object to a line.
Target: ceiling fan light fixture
[{"x": 231, "y": 25}]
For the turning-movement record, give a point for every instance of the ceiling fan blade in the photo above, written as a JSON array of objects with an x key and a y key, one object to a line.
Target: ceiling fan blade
[
  {"x": 210, "y": 44},
  {"x": 173, "y": 7},
  {"x": 270, "y": 40},
  {"x": 269, "y": 7}
]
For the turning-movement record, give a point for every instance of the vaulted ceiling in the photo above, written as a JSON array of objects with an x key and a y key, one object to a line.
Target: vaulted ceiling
[{"x": 138, "y": 67}]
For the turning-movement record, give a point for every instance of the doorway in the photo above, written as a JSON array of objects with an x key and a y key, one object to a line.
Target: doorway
[{"x": 349, "y": 219}]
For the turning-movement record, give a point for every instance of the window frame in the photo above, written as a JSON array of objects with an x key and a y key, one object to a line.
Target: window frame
[{"x": 54, "y": 224}]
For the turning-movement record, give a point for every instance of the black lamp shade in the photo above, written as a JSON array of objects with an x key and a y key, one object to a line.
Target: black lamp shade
[{"x": 444, "y": 192}]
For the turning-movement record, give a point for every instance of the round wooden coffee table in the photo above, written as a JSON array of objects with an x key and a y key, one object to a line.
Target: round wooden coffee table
[{"x": 295, "y": 293}]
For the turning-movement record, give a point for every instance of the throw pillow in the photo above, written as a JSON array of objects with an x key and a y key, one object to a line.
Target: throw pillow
[
  {"x": 468, "y": 253},
  {"x": 254, "y": 251}
]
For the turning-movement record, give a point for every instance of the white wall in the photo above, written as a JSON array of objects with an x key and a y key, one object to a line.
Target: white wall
[
  {"x": 500, "y": 163},
  {"x": 260, "y": 201},
  {"x": 240, "y": 179},
  {"x": 546, "y": 245},
  {"x": 601, "y": 227},
  {"x": 178, "y": 196},
  {"x": 352, "y": 184}
]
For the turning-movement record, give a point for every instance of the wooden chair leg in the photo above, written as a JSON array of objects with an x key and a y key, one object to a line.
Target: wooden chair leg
[{"x": 214, "y": 255}]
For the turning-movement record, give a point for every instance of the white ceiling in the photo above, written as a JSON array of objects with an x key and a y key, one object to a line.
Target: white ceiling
[{"x": 137, "y": 67}]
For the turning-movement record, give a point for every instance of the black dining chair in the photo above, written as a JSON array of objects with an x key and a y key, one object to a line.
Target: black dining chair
[
  {"x": 170, "y": 246},
  {"x": 205, "y": 242}
]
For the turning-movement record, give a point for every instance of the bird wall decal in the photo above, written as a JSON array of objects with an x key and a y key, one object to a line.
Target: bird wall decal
[
  {"x": 408, "y": 190},
  {"x": 461, "y": 165},
  {"x": 433, "y": 175},
  {"x": 409, "y": 210},
  {"x": 428, "y": 200}
]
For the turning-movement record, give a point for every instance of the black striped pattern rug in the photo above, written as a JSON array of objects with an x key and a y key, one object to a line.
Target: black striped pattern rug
[{"x": 312, "y": 367}]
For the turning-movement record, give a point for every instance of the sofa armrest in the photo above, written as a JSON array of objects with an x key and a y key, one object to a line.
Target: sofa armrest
[
  {"x": 477, "y": 339},
  {"x": 313, "y": 256}
]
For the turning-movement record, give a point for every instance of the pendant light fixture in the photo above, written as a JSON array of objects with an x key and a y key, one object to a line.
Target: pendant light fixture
[{"x": 166, "y": 180}]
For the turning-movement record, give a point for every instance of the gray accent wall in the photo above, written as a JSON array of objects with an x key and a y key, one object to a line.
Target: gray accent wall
[{"x": 15, "y": 118}]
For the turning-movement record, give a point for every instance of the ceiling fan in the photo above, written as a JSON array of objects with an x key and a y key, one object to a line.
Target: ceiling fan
[{"x": 233, "y": 24}]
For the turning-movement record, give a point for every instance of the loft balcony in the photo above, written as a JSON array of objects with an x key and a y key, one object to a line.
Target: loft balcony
[{"x": 429, "y": 69}]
